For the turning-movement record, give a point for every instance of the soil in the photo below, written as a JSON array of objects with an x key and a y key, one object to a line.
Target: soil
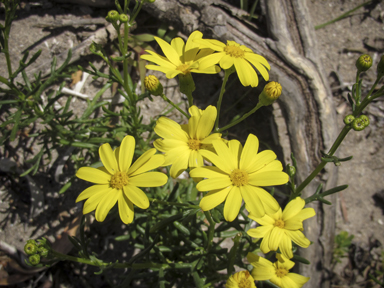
[{"x": 43, "y": 212}]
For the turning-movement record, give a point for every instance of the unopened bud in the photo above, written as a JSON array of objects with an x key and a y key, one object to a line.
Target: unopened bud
[
  {"x": 123, "y": 18},
  {"x": 113, "y": 16},
  {"x": 349, "y": 119},
  {"x": 380, "y": 68},
  {"x": 153, "y": 85},
  {"x": 30, "y": 248},
  {"x": 34, "y": 259},
  {"x": 291, "y": 171},
  {"x": 364, "y": 62},
  {"x": 365, "y": 120},
  {"x": 358, "y": 124},
  {"x": 270, "y": 93},
  {"x": 43, "y": 251}
]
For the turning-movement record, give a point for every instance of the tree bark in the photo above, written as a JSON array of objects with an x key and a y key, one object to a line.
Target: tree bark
[{"x": 306, "y": 102}]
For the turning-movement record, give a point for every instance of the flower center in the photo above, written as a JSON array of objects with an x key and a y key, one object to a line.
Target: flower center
[
  {"x": 194, "y": 144},
  {"x": 279, "y": 223},
  {"x": 119, "y": 180},
  {"x": 244, "y": 283},
  {"x": 239, "y": 177},
  {"x": 234, "y": 51},
  {"x": 281, "y": 272},
  {"x": 183, "y": 68}
]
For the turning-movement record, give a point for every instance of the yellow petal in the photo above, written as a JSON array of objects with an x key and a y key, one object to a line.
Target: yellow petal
[
  {"x": 178, "y": 44},
  {"x": 246, "y": 73},
  {"x": 210, "y": 43},
  {"x": 149, "y": 179},
  {"x": 232, "y": 204},
  {"x": 195, "y": 159},
  {"x": 127, "y": 148},
  {"x": 264, "y": 246},
  {"x": 210, "y": 60},
  {"x": 143, "y": 159},
  {"x": 108, "y": 158},
  {"x": 218, "y": 161},
  {"x": 162, "y": 69},
  {"x": 208, "y": 140},
  {"x": 275, "y": 165},
  {"x": 299, "y": 238},
  {"x": 265, "y": 220},
  {"x": 293, "y": 224},
  {"x": 293, "y": 208},
  {"x": 304, "y": 214},
  {"x": 206, "y": 123},
  {"x": 260, "y": 231},
  {"x": 249, "y": 153},
  {"x": 179, "y": 160},
  {"x": 269, "y": 178},
  {"x": 125, "y": 209},
  {"x": 264, "y": 269},
  {"x": 169, "y": 129},
  {"x": 136, "y": 196},
  {"x": 261, "y": 160},
  {"x": 214, "y": 198},
  {"x": 286, "y": 246},
  {"x": 213, "y": 183},
  {"x": 297, "y": 280},
  {"x": 153, "y": 163},
  {"x": 269, "y": 202},
  {"x": 165, "y": 145},
  {"x": 93, "y": 175},
  {"x": 106, "y": 204},
  {"x": 95, "y": 200},
  {"x": 161, "y": 61},
  {"x": 209, "y": 70},
  {"x": 208, "y": 172},
  {"x": 275, "y": 237},
  {"x": 191, "y": 40},
  {"x": 204, "y": 52},
  {"x": 169, "y": 51},
  {"x": 192, "y": 126},
  {"x": 173, "y": 73},
  {"x": 252, "y": 200},
  {"x": 253, "y": 58},
  {"x": 91, "y": 191},
  {"x": 226, "y": 62}
]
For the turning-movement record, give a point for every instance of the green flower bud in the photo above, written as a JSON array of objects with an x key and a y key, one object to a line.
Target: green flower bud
[
  {"x": 113, "y": 16},
  {"x": 150, "y": 1},
  {"x": 291, "y": 171},
  {"x": 364, "y": 62},
  {"x": 43, "y": 251},
  {"x": 153, "y": 85},
  {"x": 365, "y": 120},
  {"x": 31, "y": 241},
  {"x": 123, "y": 18},
  {"x": 349, "y": 119},
  {"x": 358, "y": 124},
  {"x": 380, "y": 68},
  {"x": 34, "y": 259},
  {"x": 30, "y": 248},
  {"x": 270, "y": 93}
]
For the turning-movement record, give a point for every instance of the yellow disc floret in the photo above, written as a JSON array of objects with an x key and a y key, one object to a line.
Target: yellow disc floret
[
  {"x": 194, "y": 144},
  {"x": 119, "y": 180},
  {"x": 239, "y": 177},
  {"x": 279, "y": 223},
  {"x": 234, "y": 51},
  {"x": 185, "y": 68},
  {"x": 281, "y": 272}
]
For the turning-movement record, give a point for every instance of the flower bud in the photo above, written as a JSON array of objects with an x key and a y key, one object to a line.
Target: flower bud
[
  {"x": 34, "y": 259},
  {"x": 365, "y": 120},
  {"x": 153, "y": 85},
  {"x": 358, "y": 124},
  {"x": 30, "y": 248},
  {"x": 349, "y": 119},
  {"x": 270, "y": 93},
  {"x": 123, "y": 18},
  {"x": 291, "y": 171},
  {"x": 364, "y": 62},
  {"x": 43, "y": 251},
  {"x": 113, "y": 16},
  {"x": 380, "y": 68}
]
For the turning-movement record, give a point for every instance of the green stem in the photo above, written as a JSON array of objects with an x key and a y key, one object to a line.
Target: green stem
[
  {"x": 246, "y": 115},
  {"x": 211, "y": 230},
  {"x": 341, "y": 16},
  {"x": 222, "y": 91},
  {"x": 152, "y": 200},
  {"x": 125, "y": 63},
  {"x": 174, "y": 105},
  {"x": 233, "y": 254},
  {"x": 136, "y": 13},
  {"x": 147, "y": 265},
  {"x": 190, "y": 98}
]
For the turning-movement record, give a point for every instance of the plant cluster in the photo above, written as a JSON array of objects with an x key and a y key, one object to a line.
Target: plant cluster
[{"x": 179, "y": 231}]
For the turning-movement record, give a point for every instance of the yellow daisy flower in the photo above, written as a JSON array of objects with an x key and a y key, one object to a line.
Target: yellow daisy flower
[
  {"x": 183, "y": 144},
  {"x": 241, "y": 279},
  {"x": 180, "y": 57},
  {"x": 118, "y": 180},
  {"x": 238, "y": 174},
  {"x": 279, "y": 229},
  {"x": 235, "y": 54},
  {"x": 278, "y": 272}
]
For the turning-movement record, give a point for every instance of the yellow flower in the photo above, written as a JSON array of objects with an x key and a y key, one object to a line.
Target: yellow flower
[
  {"x": 118, "y": 180},
  {"x": 241, "y": 279},
  {"x": 180, "y": 58},
  {"x": 238, "y": 174},
  {"x": 279, "y": 229},
  {"x": 235, "y": 54},
  {"x": 278, "y": 272},
  {"x": 183, "y": 144}
]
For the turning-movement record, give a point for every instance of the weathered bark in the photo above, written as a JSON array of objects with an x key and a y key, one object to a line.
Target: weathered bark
[{"x": 306, "y": 103}]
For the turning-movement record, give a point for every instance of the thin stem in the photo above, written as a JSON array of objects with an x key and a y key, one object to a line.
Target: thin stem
[
  {"x": 211, "y": 230},
  {"x": 125, "y": 62},
  {"x": 222, "y": 91},
  {"x": 173, "y": 203},
  {"x": 136, "y": 13},
  {"x": 174, "y": 105},
  {"x": 246, "y": 115}
]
